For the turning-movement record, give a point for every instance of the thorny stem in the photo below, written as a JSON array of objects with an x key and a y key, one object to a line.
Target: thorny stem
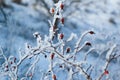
[
  {"x": 77, "y": 46},
  {"x": 55, "y": 20},
  {"x": 86, "y": 54},
  {"x": 33, "y": 65},
  {"x": 73, "y": 64},
  {"x": 106, "y": 66},
  {"x": 80, "y": 39},
  {"x": 108, "y": 61}
]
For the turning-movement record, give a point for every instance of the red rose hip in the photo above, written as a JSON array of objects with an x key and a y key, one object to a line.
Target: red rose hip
[{"x": 61, "y": 36}]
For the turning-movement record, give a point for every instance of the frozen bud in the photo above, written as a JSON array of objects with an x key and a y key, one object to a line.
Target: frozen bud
[
  {"x": 61, "y": 6},
  {"x": 13, "y": 68},
  {"x": 91, "y": 32},
  {"x": 54, "y": 77},
  {"x": 88, "y": 77},
  {"x": 49, "y": 71},
  {"x": 68, "y": 50},
  {"x": 15, "y": 59},
  {"x": 68, "y": 69},
  {"x": 36, "y": 34},
  {"x": 61, "y": 66},
  {"x": 52, "y": 56},
  {"x": 106, "y": 72},
  {"x": 52, "y": 10},
  {"x": 62, "y": 20},
  {"x": 61, "y": 36},
  {"x": 28, "y": 46},
  {"x": 45, "y": 56},
  {"x": 11, "y": 62},
  {"x": 6, "y": 69},
  {"x": 88, "y": 44},
  {"x": 6, "y": 66}
]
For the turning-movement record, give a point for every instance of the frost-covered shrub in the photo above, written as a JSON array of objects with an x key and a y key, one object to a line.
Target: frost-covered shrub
[{"x": 52, "y": 59}]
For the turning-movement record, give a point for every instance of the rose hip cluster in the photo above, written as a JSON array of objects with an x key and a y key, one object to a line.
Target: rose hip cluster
[
  {"x": 10, "y": 64},
  {"x": 53, "y": 11}
]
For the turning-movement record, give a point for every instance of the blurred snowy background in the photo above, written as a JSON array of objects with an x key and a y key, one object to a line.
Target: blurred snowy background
[{"x": 19, "y": 19}]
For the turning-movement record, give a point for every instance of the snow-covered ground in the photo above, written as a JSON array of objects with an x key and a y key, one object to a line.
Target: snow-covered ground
[{"x": 102, "y": 16}]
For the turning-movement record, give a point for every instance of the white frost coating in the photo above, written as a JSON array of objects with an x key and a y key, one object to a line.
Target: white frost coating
[
  {"x": 27, "y": 47},
  {"x": 51, "y": 33},
  {"x": 39, "y": 41},
  {"x": 67, "y": 56},
  {"x": 58, "y": 16},
  {"x": 50, "y": 23},
  {"x": 80, "y": 39},
  {"x": 11, "y": 58},
  {"x": 23, "y": 78},
  {"x": 46, "y": 38},
  {"x": 70, "y": 74},
  {"x": 35, "y": 33},
  {"x": 88, "y": 52},
  {"x": 110, "y": 51},
  {"x": 57, "y": 44},
  {"x": 58, "y": 4},
  {"x": 73, "y": 35},
  {"x": 32, "y": 67}
]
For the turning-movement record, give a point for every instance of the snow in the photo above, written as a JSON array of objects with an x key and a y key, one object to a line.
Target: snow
[{"x": 101, "y": 16}]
